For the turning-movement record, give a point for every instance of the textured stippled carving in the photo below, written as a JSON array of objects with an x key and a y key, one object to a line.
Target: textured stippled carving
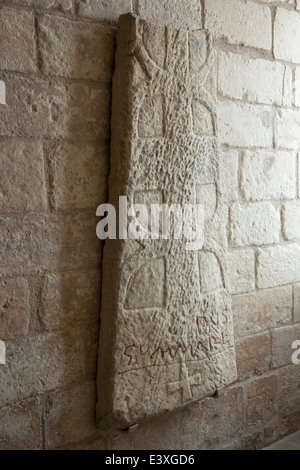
[{"x": 166, "y": 334}]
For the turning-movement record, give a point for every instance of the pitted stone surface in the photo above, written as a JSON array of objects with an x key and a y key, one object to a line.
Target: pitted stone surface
[{"x": 166, "y": 336}]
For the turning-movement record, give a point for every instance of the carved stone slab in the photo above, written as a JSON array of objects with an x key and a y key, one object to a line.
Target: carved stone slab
[{"x": 166, "y": 336}]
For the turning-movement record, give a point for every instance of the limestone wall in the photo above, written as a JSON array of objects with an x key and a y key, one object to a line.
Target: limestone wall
[{"x": 56, "y": 59}]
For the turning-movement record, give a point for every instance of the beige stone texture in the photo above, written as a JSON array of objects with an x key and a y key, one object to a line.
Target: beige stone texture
[
  {"x": 262, "y": 400},
  {"x": 228, "y": 168},
  {"x": 278, "y": 265},
  {"x": 14, "y": 308},
  {"x": 38, "y": 243},
  {"x": 297, "y": 303},
  {"x": 262, "y": 310},
  {"x": 291, "y": 222},
  {"x": 245, "y": 125},
  {"x": 287, "y": 129},
  {"x": 41, "y": 108},
  {"x": 289, "y": 397},
  {"x": 77, "y": 50},
  {"x": 176, "y": 356},
  {"x": 253, "y": 80},
  {"x": 268, "y": 175},
  {"x": 287, "y": 35},
  {"x": 241, "y": 271},
  {"x": 21, "y": 426},
  {"x": 254, "y": 224},
  {"x": 69, "y": 299},
  {"x": 78, "y": 175},
  {"x": 17, "y": 44},
  {"x": 253, "y": 355},
  {"x": 282, "y": 340},
  {"x": 23, "y": 182},
  {"x": 41, "y": 363},
  {"x": 107, "y": 10},
  {"x": 240, "y": 22},
  {"x": 174, "y": 13}
]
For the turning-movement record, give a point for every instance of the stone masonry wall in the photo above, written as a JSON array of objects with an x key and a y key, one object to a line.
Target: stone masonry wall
[{"x": 56, "y": 59}]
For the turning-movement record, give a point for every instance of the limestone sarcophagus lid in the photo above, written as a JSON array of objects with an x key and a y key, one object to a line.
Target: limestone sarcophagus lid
[{"x": 166, "y": 336}]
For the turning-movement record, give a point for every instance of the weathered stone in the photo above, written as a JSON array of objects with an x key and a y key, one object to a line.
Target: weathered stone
[
  {"x": 14, "y": 308},
  {"x": 254, "y": 224},
  {"x": 224, "y": 417},
  {"x": 70, "y": 299},
  {"x": 70, "y": 415},
  {"x": 287, "y": 35},
  {"x": 253, "y": 80},
  {"x": 63, "y": 5},
  {"x": 268, "y": 175},
  {"x": 23, "y": 184},
  {"x": 175, "y": 13},
  {"x": 75, "y": 49},
  {"x": 239, "y": 22},
  {"x": 241, "y": 266},
  {"x": 297, "y": 303},
  {"x": 262, "y": 310},
  {"x": 297, "y": 87},
  {"x": 282, "y": 340},
  {"x": 40, "y": 108},
  {"x": 21, "y": 426},
  {"x": 2, "y": 353},
  {"x": 289, "y": 391},
  {"x": 78, "y": 175},
  {"x": 108, "y": 10},
  {"x": 291, "y": 222},
  {"x": 288, "y": 85},
  {"x": 228, "y": 169},
  {"x": 17, "y": 43},
  {"x": 253, "y": 355},
  {"x": 287, "y": 129},
  {"x": 278, "y": 265},
  {"x": 37, "y": 243},
  {"x": 262, "y": 400},
  {"x": 245, "y": 125},
  {"x": 153, "y": 356},
  {"x": 38, "y": 364}
]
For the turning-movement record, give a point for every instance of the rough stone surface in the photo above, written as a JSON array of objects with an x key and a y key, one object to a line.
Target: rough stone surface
[
  {"x": 239, "y": 22},
  {"x": 174, "y": 13},
  {"x": 297, "y": 87},
  {"x": 278, "y": 265},
  {"x": 289, "y": 399},
  {"x": 41, "y": 108},
  {"x": 14, "y": 308},
  {"x": 253, "y": 355},
  {"x": 108, "y": 10},
  {"x": 241, "y": 266},
  {"x": 21, "y": 426},
  {"x": 70, "y": 415},
  {"x": 228, "y": 168},
  {"x": 244, "y": 125},
  {"x": 62, "y": 5},
  {"x": 254, "y": 224},
  {"x": 297, "y": 303},
  {"x": 78, "y": 175},
  {"x": 77, "y": 50},
  {"x": 253, "y": 80},
  {"x": 70, "y": 299},
  {"x": 287, "y": 129},
  {"x": 291, "y": 222},
  {"x": 160, "y": 357},
  {"x": 262, "y": 310},
  {"x": 23, "y": 183},
  {"x": 287, "y": 35},
  {"x": 17, "y": 44},
  {"x": 268, "y": 175},
  {"x": 282, "y": 340},
  {"x": 38, "y": 364},
  {"x": 33, "y": 244},
  {"x": 262, "y": 398}
]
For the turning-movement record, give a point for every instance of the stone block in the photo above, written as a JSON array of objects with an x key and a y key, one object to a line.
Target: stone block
[
  {"x": 278, "y": 265},
  {"x": 241, "y": 271},
  {"x": 287, "y": 35},
  {"x": 14, "y": 308}
]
